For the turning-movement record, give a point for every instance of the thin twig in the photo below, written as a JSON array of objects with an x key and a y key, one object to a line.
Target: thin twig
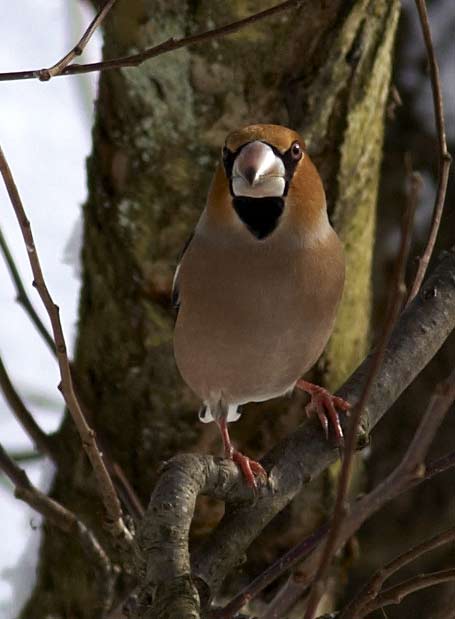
[
  {"x": 62, "y": 518},
  {"x": 302, "y": 549},
  {"x": 355, "y": 609},
  {"x": 444, "y": 155},
  {"x": 124, "y": 487},
  {"x": 410, "y": 472},
  {"x": 288, "y": 560},
  {"x": 127, "y": 492},
  {"x": 106, "y": 487},
  {"x": 22, "y": 296},
  {"x": 170, "y": 45},
  {"x": 396, "y": 300},
  {"x": 77, "y": 50},
  {"x": 39, "y": 438},
  {"x": 395, "y": 595}
]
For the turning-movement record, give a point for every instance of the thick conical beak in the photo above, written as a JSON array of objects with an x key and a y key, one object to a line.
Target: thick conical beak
[
  {"x": 254, "y": 161},
  {"x": 258, "y": 172}
]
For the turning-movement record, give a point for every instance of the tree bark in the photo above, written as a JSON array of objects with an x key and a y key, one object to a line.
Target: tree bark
[{"x": 323, "y": 69}]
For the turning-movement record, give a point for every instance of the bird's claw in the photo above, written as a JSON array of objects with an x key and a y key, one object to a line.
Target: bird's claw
[
  {"x": 250, "y": 468},
  {"x": 325, "y": 405}
]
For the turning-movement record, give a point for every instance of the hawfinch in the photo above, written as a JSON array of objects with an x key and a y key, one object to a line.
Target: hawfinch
[{"x": 258, "y": 284}]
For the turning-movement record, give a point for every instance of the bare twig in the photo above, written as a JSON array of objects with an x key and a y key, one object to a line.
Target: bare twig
[
  {"x": 355, "y": 609},
  {"x": 440, "y": 465},
  {"x": 410, "y": 471},
  {"x": 290, "y": 558},
  {"x": 22, "y": 296},
  {"x": 39, "y": 438},
  {"x": 396, "y": 300},
  {"x": 124, "y": 488},
  {"x": 126, "y": 491},
  {"x": 394, "y": 595},
  {"x": 163, "y": 48},
  {"x": 444, "y": 156},
  {"x": 106, "y": 487},
  {"x": 77, "y": 50},
  {"x": 62, "y": 518},
  {"x": 293, "y": 588}
]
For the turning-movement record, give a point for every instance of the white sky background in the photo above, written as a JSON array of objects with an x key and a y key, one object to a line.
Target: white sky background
[{"x": 45, "y": 133}]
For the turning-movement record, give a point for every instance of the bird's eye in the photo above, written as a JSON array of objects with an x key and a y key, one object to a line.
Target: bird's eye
[{"x": 296, "y": 150}]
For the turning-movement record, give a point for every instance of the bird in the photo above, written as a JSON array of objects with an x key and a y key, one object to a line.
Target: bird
[{"x": 258, "y": 284}]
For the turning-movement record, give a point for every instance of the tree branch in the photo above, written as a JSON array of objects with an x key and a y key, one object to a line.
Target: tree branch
[
  {"x": 167, "y": 46},
  {"x": 39, "y": 438},
  {"x": 419, "y": 333},
  {"x": 22, "y": 296},
  {"x": 444, "y": 155},
  {"x": 63, "y": 519},
  {"x": 397, "y": 295},
  {"x": 355, "y": 609},
  {"x": 396, "y": 594},
  {"x": 291, "y": 590},
  {"x": 59, "y": 67},
  {"x": 404, "y": 476},
  {"x": 124, "y": 488},
  {"x": 105, "y": 485}
]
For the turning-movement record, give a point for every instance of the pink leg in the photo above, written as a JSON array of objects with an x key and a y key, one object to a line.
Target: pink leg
[
  {"x": 250, "y": 468},
  {"x": 325, "y": 405}
]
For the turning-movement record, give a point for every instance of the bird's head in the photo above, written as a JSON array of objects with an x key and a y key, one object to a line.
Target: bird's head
[
  {"x": 261, "y": 160},
  {"x": 267, "y": 181}
]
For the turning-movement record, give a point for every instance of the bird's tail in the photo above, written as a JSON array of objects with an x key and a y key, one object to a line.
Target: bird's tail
[{"x": 213, "y": 412}]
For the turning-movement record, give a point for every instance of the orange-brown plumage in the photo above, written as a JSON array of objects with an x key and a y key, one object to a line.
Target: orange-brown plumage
[{"x": 260, "y": 282}]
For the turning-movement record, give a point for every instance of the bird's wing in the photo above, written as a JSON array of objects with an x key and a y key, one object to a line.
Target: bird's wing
[{"x": 175, "y": 296}]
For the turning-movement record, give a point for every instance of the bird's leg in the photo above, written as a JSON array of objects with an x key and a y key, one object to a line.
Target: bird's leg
[
  {"x": 249, "y": 468},
  {"x": 325, "y": 405}
]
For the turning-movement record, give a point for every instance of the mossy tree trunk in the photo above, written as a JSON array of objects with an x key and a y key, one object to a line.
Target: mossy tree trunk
[{"x": 323, "y": 69}]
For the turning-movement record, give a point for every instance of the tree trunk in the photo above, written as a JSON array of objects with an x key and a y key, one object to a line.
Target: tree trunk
[{"x": 322, "y": 69}]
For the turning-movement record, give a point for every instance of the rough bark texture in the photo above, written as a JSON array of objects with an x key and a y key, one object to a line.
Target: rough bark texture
[{"x": 323, "y": 69}]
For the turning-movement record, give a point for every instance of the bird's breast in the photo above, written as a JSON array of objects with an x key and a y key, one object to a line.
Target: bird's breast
[{"x": 253, "y": 318}]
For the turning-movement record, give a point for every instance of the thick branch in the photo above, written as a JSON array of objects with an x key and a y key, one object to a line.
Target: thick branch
[
  {"x": 420, "y": 332},
  {"x": 418, "y": 335},
  {"x": 404, "y": 476},
  {"x": 292, "y": 590}
]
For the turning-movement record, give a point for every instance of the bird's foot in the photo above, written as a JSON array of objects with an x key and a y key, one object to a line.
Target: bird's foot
[
  {"x": 250, "y": 468},
  {"x": 325, "y": 405}
]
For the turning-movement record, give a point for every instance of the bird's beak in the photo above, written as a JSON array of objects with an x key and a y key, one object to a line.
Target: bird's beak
[
  {"x": 254, "y": 161},
  {"x": 257, "y": 171}
]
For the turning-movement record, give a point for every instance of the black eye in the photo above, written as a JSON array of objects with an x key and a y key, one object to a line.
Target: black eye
[{"x": 296, "y": 150}]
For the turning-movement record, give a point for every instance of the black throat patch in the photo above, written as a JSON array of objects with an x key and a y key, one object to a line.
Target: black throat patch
[{"x": 260, "y": 215}]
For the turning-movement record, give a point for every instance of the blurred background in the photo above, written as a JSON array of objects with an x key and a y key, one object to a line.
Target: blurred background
[{"x": 45, "y": 131}]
